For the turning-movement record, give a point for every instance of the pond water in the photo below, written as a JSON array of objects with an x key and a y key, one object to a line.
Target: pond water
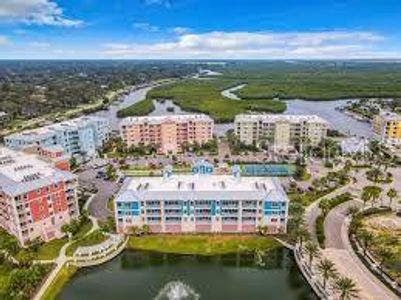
[{"x": 148, "y": 275}]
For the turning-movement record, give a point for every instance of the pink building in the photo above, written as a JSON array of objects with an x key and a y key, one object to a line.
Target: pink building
[
  {"x": 36, "y": 199},
  {"x": 168, "y": 133}
]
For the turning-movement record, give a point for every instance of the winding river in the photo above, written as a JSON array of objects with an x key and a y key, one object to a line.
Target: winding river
[{"x": 325, "y": 109}]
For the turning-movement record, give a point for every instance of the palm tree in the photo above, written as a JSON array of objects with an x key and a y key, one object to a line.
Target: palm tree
[
  {"x": 392, "y": 193},
  {"x": 366, "y": 195},
  {"x": 352, "y": 211},
  {"x": 375, "y": 192},
  {"x": 327, "y": 269},
  {"x": 312, "y": 250},
  {"x": 371, "y": 192},
  {"x": 375, "y": 173},
  {"x": 346, "y": 287},
  {"x": 302, "y": 234},
  {"x": 386, "y": 255},
  {"x": 366, "y": 239}
]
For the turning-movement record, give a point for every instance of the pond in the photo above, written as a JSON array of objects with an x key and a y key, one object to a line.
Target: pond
[{"x": 149, "y": 275}]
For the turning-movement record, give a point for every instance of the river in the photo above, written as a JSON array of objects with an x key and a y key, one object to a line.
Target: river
[
  {"x": 325, "y": 109},
  {"x": 147, "y": 275}
]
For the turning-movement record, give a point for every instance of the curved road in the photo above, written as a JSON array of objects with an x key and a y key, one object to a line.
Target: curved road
[{"x": 339, "y": 250}]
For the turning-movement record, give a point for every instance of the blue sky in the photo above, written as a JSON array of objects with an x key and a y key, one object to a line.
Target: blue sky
[{"x": 207, "y": 29}]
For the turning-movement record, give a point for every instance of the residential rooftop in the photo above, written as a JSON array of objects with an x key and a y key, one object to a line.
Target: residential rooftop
[
  {"x": 279, "y": 117},
  {"x": 50, "y": 130},
  {"x": 21, "y": 172},
  {"x": 184, "y": 187},
  {"x": 390, "y": 116},
  {"x": 162, "y": 119}
]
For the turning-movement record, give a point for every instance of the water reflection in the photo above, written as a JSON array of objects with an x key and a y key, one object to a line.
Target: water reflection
[{"x": 142, "y": 275}]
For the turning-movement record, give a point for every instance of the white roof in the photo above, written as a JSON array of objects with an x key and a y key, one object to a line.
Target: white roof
[
  {"x": 203, "y": 187},
  {"x": 21, "y": 172},
  {"x": 390, "y": 116},
  {"x": 50, "y": 130},
  {"x": 161, "y": 119},
  {"x": 279, "y": 117}
]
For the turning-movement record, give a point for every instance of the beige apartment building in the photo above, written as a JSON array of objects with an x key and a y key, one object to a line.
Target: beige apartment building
[
  {"x": 388, "y": 126},
  {"x": 168, "y": 133},
  {"x": 282, "y": 132}
]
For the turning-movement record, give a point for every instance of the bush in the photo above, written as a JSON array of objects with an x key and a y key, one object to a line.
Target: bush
[{"x": 320, "y": 230}]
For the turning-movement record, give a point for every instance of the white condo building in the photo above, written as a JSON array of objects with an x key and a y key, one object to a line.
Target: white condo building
[
  {"x": 282, "y": 131},
  {"x": 202, "y": 203},
  {"x": 81, "y": 136}
]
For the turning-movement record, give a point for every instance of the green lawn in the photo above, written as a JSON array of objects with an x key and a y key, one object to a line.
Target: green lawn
[
  {"x": 202, "y": 244},
  {"x": 4, "y": 275},
  {"x": 49, "y": 250},
  {"x": 58, "y": 283},
  {"x": 94, "y": 238},
  {"x": 204, "y": 96},
  {"x": 83, "y": 230}
]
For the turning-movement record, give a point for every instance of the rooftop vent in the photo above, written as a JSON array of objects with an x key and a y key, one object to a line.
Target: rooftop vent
[
  {"x": 22, "y": 167},
  {"x": 31, "y": 177}
]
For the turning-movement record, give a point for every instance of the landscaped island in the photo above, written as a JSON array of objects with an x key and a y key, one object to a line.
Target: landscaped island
[{"x": 203, "y": 244}]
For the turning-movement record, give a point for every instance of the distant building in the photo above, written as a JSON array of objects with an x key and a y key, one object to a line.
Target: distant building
[
  {"x": 168, "y": 133},
  {"x": 36, "y": 199},
  {"x": 354, "y": 145},
  {"x": 202, "y": 203},
  {"x": 81, "y": 136},
  {"x": 388, "y": 126},
  {"x": 281, "y": 131}
]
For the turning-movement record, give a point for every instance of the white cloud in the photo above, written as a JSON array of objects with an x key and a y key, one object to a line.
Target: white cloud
[
  {"x": 166, "y": 3},
  {"x": 42, "y": 12},
  {"x": 39, "y": 44},
  {"x": 180, "y": 30},
  {"x": 268, "y": 45},
  {"x": 145, "y": 26},
  {"x": 3, "y": 40}
]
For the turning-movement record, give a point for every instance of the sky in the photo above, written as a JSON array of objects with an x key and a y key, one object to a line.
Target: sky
[{"x": 200, "y": 29}]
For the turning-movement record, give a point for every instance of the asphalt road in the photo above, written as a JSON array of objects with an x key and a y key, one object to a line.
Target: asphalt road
[
  {"x": 106, "y": 189},
  {"x": 334, "y": 222}
]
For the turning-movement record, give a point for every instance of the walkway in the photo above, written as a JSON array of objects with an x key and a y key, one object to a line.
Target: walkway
[
  {"x": 59, "y": 261},
  {"x": 62, "y": 257},
  {"x": 101, "y": 253},
  {"x": 339, "y": 250}
]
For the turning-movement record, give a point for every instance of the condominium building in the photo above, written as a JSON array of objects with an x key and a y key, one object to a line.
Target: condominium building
[
  {"x": 280, "y": 131},
  {"x": 168, "y": 133},
  {"x": 36, "y": 199},
  {"x": 388, "y": 126},
  {"x": 202, "y": 203},
  {"x": 81, "y": 136}
]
